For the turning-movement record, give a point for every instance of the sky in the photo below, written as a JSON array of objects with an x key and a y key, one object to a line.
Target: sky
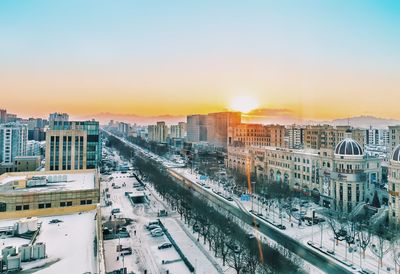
[{"x": 305, "y": 59}]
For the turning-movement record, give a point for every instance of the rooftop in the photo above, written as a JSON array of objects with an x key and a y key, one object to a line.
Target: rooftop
[
  {"x": 62, "y": 181},
  {"x": 69, "y": 244}
]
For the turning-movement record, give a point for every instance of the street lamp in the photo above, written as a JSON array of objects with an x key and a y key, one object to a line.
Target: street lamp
[{"x": 252, "y": 196}]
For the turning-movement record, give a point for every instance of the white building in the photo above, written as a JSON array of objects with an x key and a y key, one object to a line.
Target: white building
[{"x": 13, "y": 141}]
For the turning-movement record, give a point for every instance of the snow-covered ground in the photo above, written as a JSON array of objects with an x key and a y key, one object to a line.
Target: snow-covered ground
[
  {"x": 69, "y": 244},
  {"x": 146, "y": 255},
  {"x": 300, "y": 233}
]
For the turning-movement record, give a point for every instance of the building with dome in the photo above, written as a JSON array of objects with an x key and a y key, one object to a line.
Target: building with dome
[
  {"x": 394, "y": 186},
  {"x": 338, "y": 178}
]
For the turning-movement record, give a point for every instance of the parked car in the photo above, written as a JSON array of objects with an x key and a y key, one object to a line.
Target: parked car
[
  {"x": 151, "y": 227},
  {"x": 115, "y": 210},
  {"x": 165, "y": 245},
  {"x": 281, "y": 227},
  {"x": 157, "y": 234},
  {"x": 157, "y": 229}
]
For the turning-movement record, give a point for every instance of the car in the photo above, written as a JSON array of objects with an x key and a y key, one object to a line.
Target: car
[
  {"x": 165, "y": 245},
  {"x": 156, "y": 229},
  {"x": 153, "y": 226},
  {"x": 250, "y": 236},
  {"x": 115, "y": 210},
  {"x": 255, "y": 223},
  {"x": 153, "y": 223},
  {"x": 157, "y": 234},
  {"x": 230, "y": 199},
  {"x": 330, "y": 251},
  {"x": 55, "y": 221},
  {"x": 281, "y": 227}
]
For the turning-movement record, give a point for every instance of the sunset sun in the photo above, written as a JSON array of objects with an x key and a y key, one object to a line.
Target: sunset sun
[{"x": 243, "y": 104}]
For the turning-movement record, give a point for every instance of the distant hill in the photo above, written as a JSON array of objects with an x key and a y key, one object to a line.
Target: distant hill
[
  {"x": 365, "y": 122},
  {"x": 104, "y": 118}
]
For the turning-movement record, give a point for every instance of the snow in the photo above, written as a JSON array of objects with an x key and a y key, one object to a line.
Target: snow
[
  {"x": 75, "y": 181},
  {"x": 69, "y": 244}
]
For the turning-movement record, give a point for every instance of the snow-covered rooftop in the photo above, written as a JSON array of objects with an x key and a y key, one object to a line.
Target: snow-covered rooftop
[
  {"x": 69, "y": 244},
  {"x": 74, "y": 181}
]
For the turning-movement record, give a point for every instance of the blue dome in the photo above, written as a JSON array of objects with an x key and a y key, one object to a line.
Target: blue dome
[
  {"x": 349, "y": 147},
  {"x": 396, "y": 154}
]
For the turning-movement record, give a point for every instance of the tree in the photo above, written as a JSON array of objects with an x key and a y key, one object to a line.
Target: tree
[
  {"x": 237, "y": 256},
  {"x": 379, "y": 245},
  {"x": 336, "y": 223}
]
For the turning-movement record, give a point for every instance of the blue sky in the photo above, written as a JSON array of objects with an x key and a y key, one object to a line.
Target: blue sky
[{"x": 309, "y": 51}]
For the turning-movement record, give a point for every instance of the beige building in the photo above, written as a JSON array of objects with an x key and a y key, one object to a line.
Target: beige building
[
  {"x": 218, "y": 125},
  {"x": 26, "y": 194},
  {"x": 20, "y": 164},
  {"x": 327, "y": 136},
  {"x": 394, "y": 186},
  {"x": 338, "y": 179},
  {"x": 66, "y": 150},
  {"x": 256, "y": 135},
  {"x": 394, "y": 137}
]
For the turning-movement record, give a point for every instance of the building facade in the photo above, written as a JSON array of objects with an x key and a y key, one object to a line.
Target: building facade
[
  {"x": 394, "y": 186},
  {"x": 26, "y": 194},
  {"x": 59, "y": 117},
  {"x": 327, "y": 136},
  {"x": 178, "y": 131},
  {"x": 218, "y": 125},
  {"x": 13, "y": 141},
  {"x": 196, "y": 128},
  {"x": 72, "y": 145},
  {"x": 394, "y": 137},
  {"x": 338, "y": 179},
  {"x": 256, "y": 135}
]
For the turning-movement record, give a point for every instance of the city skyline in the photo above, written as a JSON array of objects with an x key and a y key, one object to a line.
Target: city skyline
[{"x": 294, "y": 58}]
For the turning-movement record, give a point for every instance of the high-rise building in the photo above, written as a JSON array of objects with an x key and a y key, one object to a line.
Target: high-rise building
[
  {"x": 11, "y": 118},
  {"x": 3, "y": 116},
  {"x": 73, "y": 145},
  {"x": 295, "y": 136},
  {"x": 13, "y": 141},
  {"x": 377, "y": 137},
  {"x": 196, "y": 128},
  {"x": 394, "y": 137},
  {"x": 56, "y": 116},
  {"x": 158, "y": 133},
  {"x": 217, "y": 127},
  {"x": 256, "y": 135},
  {"x": 178, "y": 131}
]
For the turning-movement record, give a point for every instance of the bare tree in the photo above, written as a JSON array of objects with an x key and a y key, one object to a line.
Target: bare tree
[
  {"x": 237, "y": 258},
  {"x": 379, "y": 245},
  {"x": 338, "y": 227}
]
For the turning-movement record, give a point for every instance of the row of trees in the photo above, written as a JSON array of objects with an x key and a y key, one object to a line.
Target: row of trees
[
  {"x": 224, "y": 237},
  {"x": 357, "y": 232}
]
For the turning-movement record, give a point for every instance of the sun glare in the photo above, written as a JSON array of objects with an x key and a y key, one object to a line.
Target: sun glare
[{"x": 243, "y": 104}]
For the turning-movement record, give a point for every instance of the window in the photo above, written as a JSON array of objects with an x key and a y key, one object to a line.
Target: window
[
  {"x": 88, "y": 202},
  {"x": 48, "y": 205},
  {"x": 26, "y": 207},
  {"x": 18, "y": 207},
  {"x": 62, "y": 204},
  {"x": 69, "y": 203},
  {"x": 83, "y": 202},
  {"x": 41, "y": 206}
]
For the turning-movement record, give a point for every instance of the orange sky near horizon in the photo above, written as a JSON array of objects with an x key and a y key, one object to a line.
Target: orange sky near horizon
[{"x": 316, "y": 61}]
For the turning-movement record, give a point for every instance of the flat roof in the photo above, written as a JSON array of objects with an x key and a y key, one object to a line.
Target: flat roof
[
  {"x": 74, "y": 181},
  {"x": 69, "y": 244}
]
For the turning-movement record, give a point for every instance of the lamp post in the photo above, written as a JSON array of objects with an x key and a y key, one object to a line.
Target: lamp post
[{"x": 252, "y": 196}]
